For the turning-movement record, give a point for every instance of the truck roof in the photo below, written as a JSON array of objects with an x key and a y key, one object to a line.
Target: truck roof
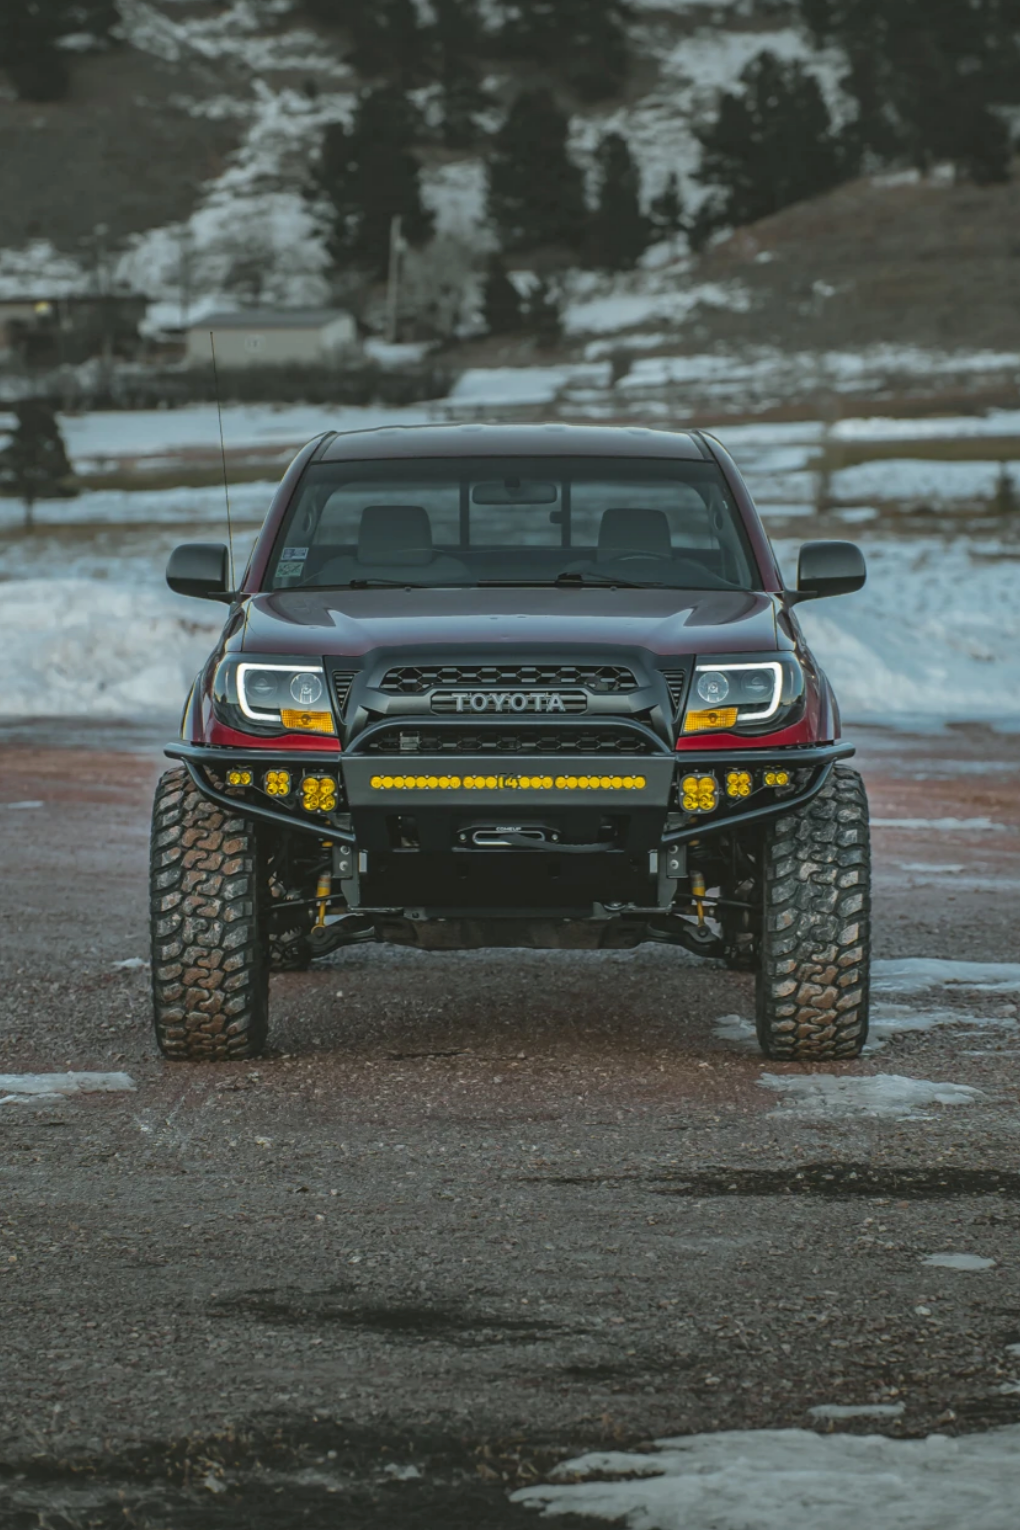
[{"x": 484, "y": 440}]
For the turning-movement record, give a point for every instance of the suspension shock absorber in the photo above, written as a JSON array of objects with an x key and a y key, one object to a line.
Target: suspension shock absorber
[
  {"x": 324, "y": 891},
  {"x": 698, "y": 894}
]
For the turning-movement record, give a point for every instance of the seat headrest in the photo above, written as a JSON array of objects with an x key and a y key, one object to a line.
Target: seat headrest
[
  {"x": 638, "y": 532},
  {"x": 400, "y": 534}
]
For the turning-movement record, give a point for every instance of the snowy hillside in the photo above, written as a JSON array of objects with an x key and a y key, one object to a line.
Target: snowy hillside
[{"x": 279, "y": 83}]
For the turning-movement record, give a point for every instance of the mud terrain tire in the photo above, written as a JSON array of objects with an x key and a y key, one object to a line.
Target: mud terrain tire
[
  {"x": 812, "y": 990},
  {"x": 210, "y": 976}
]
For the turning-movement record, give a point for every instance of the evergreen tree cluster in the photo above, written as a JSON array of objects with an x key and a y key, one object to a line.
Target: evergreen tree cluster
[
  {"x": 927, "y": 77},
  {"x": 536, "y": 194},
  {"x": 369, "y": 173},
  {"x": 30, "y": 35},
  {"x": 771, "y": 143},
  {"x": 581, "y": 44}
]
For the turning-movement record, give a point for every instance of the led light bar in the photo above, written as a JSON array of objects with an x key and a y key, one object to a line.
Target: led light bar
[{"x": 509, "y": 783}]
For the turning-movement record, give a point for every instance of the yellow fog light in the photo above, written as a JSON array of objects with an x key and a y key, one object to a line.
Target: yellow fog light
[
  {"x": 239, "y": 777},
  {"x": 308, "y": 722},
  {"x": 705, "y": 722},
  {"x": 738, "y": 783},
  {"x": 277, "y": 783},
  {"x": 777, "y": 778},
  {"x": 318, "y": 794},
  {"x": 699, "y": 794}
]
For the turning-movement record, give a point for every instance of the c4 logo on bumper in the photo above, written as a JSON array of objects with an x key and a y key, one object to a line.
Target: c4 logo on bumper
[{"x": 509, "y": 783}]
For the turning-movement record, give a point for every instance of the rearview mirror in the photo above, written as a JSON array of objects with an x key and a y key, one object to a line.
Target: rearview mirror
[
  {"x": 830, "y": 568},
  {"x": 201, "y": 569}
]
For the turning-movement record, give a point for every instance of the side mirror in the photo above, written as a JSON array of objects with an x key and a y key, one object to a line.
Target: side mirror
[
  {"x": 201, "y": 569},
  {"x": 829, "y": 568}
]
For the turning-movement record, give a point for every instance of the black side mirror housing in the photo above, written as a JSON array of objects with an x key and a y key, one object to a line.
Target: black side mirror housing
[
  {"x": 201, "y": 569},
  {"x": 829, "y": 568}
]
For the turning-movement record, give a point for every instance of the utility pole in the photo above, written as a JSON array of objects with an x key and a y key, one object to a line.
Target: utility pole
[
  {"x": 393, "y": 288},
  {"x": 103, "y": 294},
  {"x": 185, "y": 275}
]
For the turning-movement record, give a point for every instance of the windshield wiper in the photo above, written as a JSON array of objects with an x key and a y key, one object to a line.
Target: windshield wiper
[
  {"x": 569, "y": 577},
  {"x": 392, "y": 584}
]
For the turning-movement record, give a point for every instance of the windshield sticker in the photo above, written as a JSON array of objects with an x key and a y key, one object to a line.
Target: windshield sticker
[
  {"x": 294, "y": 554},
  {"x": 290, "y": 570}
]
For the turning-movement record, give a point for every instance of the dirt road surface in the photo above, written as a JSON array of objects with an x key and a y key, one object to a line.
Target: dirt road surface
[{"x": 476, "y": 1212}]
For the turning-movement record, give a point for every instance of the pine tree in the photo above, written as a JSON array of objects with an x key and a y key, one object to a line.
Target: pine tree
[
  {"x": 36, "y": 67},
  {"x": 368, "y": 174},
  {"x": 536, "y": 192},
  {"x": 502, "y": 308},
  {"x": 771, "y": 145},
  {"x": 30, "y": 34},
  {"x": 34, "y": 465},
  {"x": 387, "y": 40},
  {"x": 619, "y": 232},
  {"x": 583, "y": 41},
  {"x": 455, "y": 43},
  {"x": 927, "y": 77},
  {"x": 667, "y": 209}
]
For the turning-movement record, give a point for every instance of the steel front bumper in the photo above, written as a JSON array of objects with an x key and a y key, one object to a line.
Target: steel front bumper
[{"x": 374, "y": 785}]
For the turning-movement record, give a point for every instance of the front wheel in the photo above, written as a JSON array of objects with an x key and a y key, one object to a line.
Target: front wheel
[
  {"x": 812, "y": 990},
  {"x": 209, "y": 888}
]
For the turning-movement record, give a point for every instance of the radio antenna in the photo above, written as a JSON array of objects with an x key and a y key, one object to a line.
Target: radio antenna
[{"x": 223, "y": 452}]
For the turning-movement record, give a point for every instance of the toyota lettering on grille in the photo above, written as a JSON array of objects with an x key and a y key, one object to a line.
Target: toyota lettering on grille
[{"x": 546, "y": 702}]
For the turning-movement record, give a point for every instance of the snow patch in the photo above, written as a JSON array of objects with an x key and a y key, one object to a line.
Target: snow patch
[
  {"x": 18, "y": 1087},
  {"x": 970, "y": 1262},
  {"x": 942, "y": 825},
  {"x": 76, "y": 647},
  {"x": 833, "y": 1412},
  {"x": 917, "y": 974},
  {"x": 885, "y": 1094},
  {"x": 793, "y": 1479}
]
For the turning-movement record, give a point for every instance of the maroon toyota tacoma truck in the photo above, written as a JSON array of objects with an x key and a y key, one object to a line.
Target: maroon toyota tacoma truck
[{"x": 511, "y": 686}]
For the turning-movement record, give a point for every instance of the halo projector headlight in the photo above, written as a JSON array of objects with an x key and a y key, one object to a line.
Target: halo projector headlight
[{"x": 713, "y": 687}]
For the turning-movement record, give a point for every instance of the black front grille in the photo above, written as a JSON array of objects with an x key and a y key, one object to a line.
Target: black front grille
[
  {"x": 343, "y": 679},
  {"x": 511, "y": 740},
  {"x": 675, "y": 679},
  {"x": 415, "y": 679}
]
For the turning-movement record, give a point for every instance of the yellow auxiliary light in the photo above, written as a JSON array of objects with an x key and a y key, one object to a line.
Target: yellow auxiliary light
[
  {"x": 705, "y": 722},
  {"x": 318, "y": 794},
  {"x": 239, "y": 778},
  {"x": 738, "y": 783},
  {"x": 700, "y": 794},
  {"x": 308, "y": 722},
  {"x": 777, "y": 778},
  {"x": 277, "y": 783}
]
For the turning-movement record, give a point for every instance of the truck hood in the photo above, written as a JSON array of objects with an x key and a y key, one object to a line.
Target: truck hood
[{"x": 355, "y": 622}]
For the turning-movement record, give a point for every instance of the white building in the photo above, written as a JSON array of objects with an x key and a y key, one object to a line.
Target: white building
[{"x": 272, "y": 337}]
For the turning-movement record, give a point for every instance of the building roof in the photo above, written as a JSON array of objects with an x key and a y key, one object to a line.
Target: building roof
[
  {"x": 270, "y": 318},
  {"x": 552, "y": 440}
]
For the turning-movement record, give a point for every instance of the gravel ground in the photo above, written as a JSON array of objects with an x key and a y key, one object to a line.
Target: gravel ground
[{"x": 477, "y": 1212}]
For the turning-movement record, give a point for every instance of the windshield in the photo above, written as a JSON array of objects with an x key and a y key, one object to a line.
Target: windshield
[{"x": 477, "y": 521}]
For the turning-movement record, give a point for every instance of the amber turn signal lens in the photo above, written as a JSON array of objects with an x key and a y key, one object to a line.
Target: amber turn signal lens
[
  {"x": 705, "y": 722},
  {"x": 308, "y": 722}
]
